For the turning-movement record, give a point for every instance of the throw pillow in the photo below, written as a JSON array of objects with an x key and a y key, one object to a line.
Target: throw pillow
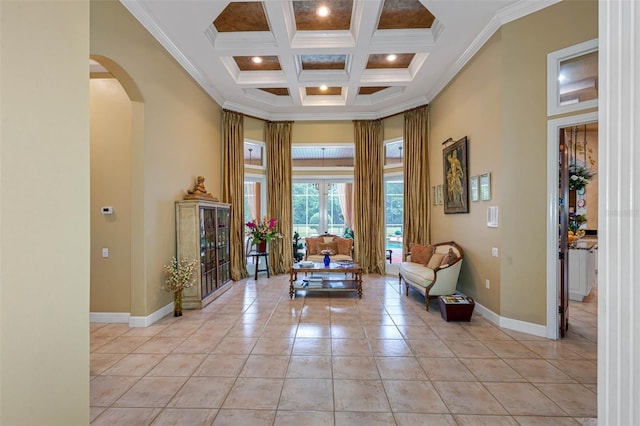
[
  {"x": 449, "y": 258},
  {"x": 344, "y": 246},
  {"x": 312, "y": 246},
  {"x": 327, "y": 239},
  {"x": 435, "y": 260},
  {"x": 421, "y": 254},
  {"x": 333, "y": 246}
]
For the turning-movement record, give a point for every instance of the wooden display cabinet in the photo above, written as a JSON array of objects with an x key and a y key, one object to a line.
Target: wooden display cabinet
[{"x": 202, "y": 229}]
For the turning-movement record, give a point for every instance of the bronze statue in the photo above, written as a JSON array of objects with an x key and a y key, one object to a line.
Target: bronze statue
[{"x": 199, "y": 192}]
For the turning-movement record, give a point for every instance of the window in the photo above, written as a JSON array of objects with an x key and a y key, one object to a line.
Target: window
[
  {"x": 572, "y": 78},
  {"x": 254, "y": 154},
  {"x": 393, "y": 155},
  {"x": 393, "y": 211},
  {"x": 321, "y": 206}
]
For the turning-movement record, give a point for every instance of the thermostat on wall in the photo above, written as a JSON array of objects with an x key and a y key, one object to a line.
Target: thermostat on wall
[{"x": 107, "y": 210}]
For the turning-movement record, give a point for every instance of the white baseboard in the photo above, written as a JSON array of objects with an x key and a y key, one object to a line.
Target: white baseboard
[
  {"x": 512, "y": 324},
  {"x": 133, "y": 321}
]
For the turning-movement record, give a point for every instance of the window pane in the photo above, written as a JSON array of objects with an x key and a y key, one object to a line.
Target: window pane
[
  {"x": 393, "y": 153},
  {"x": 394, "y": 205},
  {"x": 253, "y": 154},
  {"x": 578, "y": 79},
  {"x": 306, "y": 212}
]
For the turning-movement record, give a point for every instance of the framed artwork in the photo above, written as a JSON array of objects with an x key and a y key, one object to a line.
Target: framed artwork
[
  {"x": 485, "y": 186},
  {"x": 439, "y": 194},
  {"x": 434, "y": 195},
  {"x": 456, "y": 192},
  {"x": 474, "y": 188}
]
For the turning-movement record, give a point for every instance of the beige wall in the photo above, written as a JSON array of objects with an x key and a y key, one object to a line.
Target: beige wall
[
  {"x": 393, "y": 127},
  {"x": 44, "y": 213},
  {"x": 322, "y": 132},
  {"x": 499, "y": 101},
  {"x": 471, "y": 106},
  {"x": 111, "y": 115},
  {"x": 254, "y": 129},
  {"x": 180, "y": 139},
  {"x": 523, "y": 152}
]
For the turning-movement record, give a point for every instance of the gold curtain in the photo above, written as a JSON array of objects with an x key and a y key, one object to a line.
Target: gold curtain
[
  {"x": 233, "y": 187},
  {"x": 368, "y": 203},
  {"x": 279, "y": 201},
  {"x": 417, "y": 194}
]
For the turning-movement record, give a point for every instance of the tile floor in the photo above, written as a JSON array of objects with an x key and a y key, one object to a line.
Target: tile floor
[{"x": 255, "y": 357}]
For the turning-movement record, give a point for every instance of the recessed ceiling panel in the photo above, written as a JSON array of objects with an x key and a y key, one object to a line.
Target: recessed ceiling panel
[
  {"x": 242, "y": 16},
  {"x": 378, "y": 60},
  {"x": 400, "y": 14},
  {"x": 307, "y": 19},
  {"x": 314, "y": 91},
  {"x": 278, "y": 91},
  {"x": 323, "y": 62},
  {"x": 370, "y": 90},
  {"x": 246, "y": 63}
]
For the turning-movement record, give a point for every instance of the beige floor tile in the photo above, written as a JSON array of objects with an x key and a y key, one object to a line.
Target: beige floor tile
[
  {"x": 276, "y": 330},
  {"x": 105, "y": 390},
  {"x": 584, "y": 371},
  {"x": 476, "y": 420},
  {"x": 244, "y": 417},
  {"x": 350, "y": 347},
  {"x": 363, "y": 419},
  {"x": 413, "y": 396},
  {"x": 538, "y": 371},
  {"x": 509, "y": 349},
  {"x": 111, "y": 330},
  {"x": 159, "y": 345},
  {"x": 400, "y": 368},
  {"x": 429, "y": 348},
  {"x": 355, "y": 367},
  {"x": 308, "y": 418},
  {"x": 545, "y": 421},
  {"x": 551, "y": 349},
  {"x": 587, "y": 421},
  {"x": 446, "y": 370},
  {"x": 100, "y": 362},
  {"x": 149, "y": 331},
  {"x": 575, "y": 399},
  {"x": 177, "y": 365},
  {"x": 382, "y": 332},
  {"x": 469, "y": 349},
  {"x": 126, "y": 416},
  {"x": 94, "y": 412},
  {"x": 491, "y": 370},
  {"x": 197, "y": 345},
  {"x": 309, "y": 367},
  {"x": 185, "y": 416},
  {"x": 306, "y": 394},
  {"x": 121, "y": 345},
  {"x": 468, "y": 398},
  {"x": 235, "y": 346},
  {"x": 487, "y": 333},
  {"x": 340, "y": 331},
  {"x": 273, "y": 366},
  {"x": 311, "y": 346},
  {"x": 222, "y": 365},
  {"x": 134, "y": 365},
  {"x": 523, "y": 399},
  {"x": 360, "y": 395},
  {"x": 450, "y": 332},
  {"x": 420, "y": 419},
  {"x": 254, "y": 393},
  {"x": 273, "y": 346},
  {"x": 246, "y": 330},
  {"x": 180, "y": 329},
  {"x": 151, "y": 392},
  {"x": 313, "y": 331},
  {"x": 417, "y": 332},
  {"x": 389, "y": 347},
  {"x": 202, "y": 392}
]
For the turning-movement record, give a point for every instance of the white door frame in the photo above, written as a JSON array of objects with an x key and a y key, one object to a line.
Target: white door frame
[{"x": 553, "y": 131}]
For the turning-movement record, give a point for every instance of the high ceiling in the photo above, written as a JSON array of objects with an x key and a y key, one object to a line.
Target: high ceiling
[{"x": 324, "y": 67}]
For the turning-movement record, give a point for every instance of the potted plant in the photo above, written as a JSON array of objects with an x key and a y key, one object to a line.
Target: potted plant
[
  {"x": 179, "y": 275},
  {"x": 262, "y": 232}
]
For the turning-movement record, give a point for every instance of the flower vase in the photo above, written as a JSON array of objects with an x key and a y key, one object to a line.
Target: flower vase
[
  {"x": 261, "y": 247},
  {"x": 177, "y": 303},
  {"x": 327, "y": 260}
]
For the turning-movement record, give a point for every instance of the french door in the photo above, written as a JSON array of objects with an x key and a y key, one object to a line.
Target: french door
[{"x": 321, "y": 206}]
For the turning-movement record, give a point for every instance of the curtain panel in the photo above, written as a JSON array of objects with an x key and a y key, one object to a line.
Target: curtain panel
[
  {"x": 233, "y": 188},
  {"x": 345, "y": 198},
  {"x": 417, "y": 196},
  {"x": 368, "y": 203},
  {"x": 279, "y": 190}
]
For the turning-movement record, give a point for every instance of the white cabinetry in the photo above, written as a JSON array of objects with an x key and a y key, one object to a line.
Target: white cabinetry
[{"x": 583, "y": 263}]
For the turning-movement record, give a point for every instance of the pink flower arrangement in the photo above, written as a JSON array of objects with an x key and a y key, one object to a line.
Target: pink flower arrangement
[{"x": 264, "y": 230}]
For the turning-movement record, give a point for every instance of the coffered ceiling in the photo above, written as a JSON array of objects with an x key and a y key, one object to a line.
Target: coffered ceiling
[{"x": 281, "y": 59}]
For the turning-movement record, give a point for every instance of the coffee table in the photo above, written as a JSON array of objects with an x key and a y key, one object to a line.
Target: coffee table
[{"x": 349, "y": 280}]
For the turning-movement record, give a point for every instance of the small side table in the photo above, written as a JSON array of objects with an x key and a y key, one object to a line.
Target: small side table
[{"x": 256, "y": 259}]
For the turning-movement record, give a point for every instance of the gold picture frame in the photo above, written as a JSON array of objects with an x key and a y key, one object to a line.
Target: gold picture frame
[{"x": 456, "y": 180}]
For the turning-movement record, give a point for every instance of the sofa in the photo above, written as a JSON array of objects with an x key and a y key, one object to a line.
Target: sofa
[
  {"x": 341, "y": 247},
  {"x": 432, "y": 270}
]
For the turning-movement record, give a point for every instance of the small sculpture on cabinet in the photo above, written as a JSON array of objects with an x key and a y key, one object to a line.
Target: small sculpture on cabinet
[{"x": 199, "y": 192}]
